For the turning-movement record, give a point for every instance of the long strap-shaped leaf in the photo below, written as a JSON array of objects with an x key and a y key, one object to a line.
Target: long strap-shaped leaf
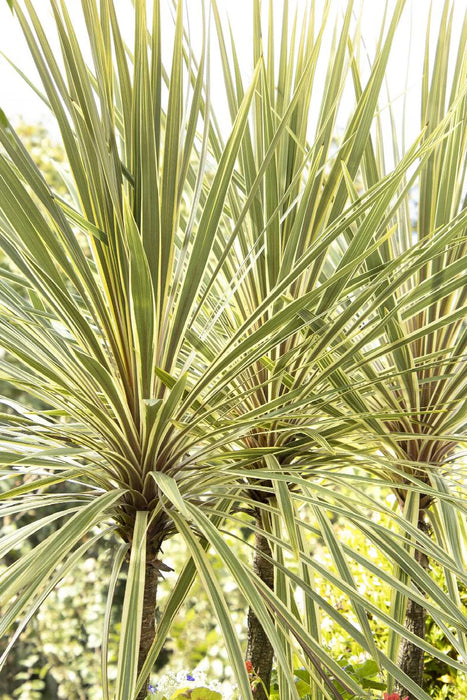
[{"x": 127, "y": 668}]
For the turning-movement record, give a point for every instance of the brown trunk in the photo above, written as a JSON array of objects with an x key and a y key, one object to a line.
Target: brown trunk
[
  {"x": 259, "y": 649},
  {"x": 148, "y": 625},
  {"x": 411, "y": 657}
]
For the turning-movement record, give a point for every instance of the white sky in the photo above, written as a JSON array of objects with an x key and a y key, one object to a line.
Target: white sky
[{"x": 17, "y": 99}]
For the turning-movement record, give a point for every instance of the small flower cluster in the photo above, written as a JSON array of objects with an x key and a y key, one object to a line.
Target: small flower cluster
[
  {"x": 163, "y": 685},
  {"x": 168, "y": 684},
  {"x": 394, "y": 696}
]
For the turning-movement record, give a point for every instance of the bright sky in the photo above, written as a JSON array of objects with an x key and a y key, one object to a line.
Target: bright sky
[{"x": 17, "y": 99}]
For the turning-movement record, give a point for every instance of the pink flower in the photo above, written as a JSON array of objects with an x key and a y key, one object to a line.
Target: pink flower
[{"x": 394, "y": 696}]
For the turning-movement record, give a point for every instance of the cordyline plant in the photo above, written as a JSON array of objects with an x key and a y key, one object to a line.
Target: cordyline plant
[
  {"x": 139, "y": 308},
  {"x": 415, "y": 380}
]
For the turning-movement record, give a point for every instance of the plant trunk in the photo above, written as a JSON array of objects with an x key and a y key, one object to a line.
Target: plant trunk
[
  {"x": 148, "y": 624},
  {"x": 411, "y": 657},
  {"x": 259, "y": 649}
]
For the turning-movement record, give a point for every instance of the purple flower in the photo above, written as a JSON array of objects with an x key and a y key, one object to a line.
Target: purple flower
[
  {"x": 189, "y": 677},
  {"x": 152, "y": 688}
]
